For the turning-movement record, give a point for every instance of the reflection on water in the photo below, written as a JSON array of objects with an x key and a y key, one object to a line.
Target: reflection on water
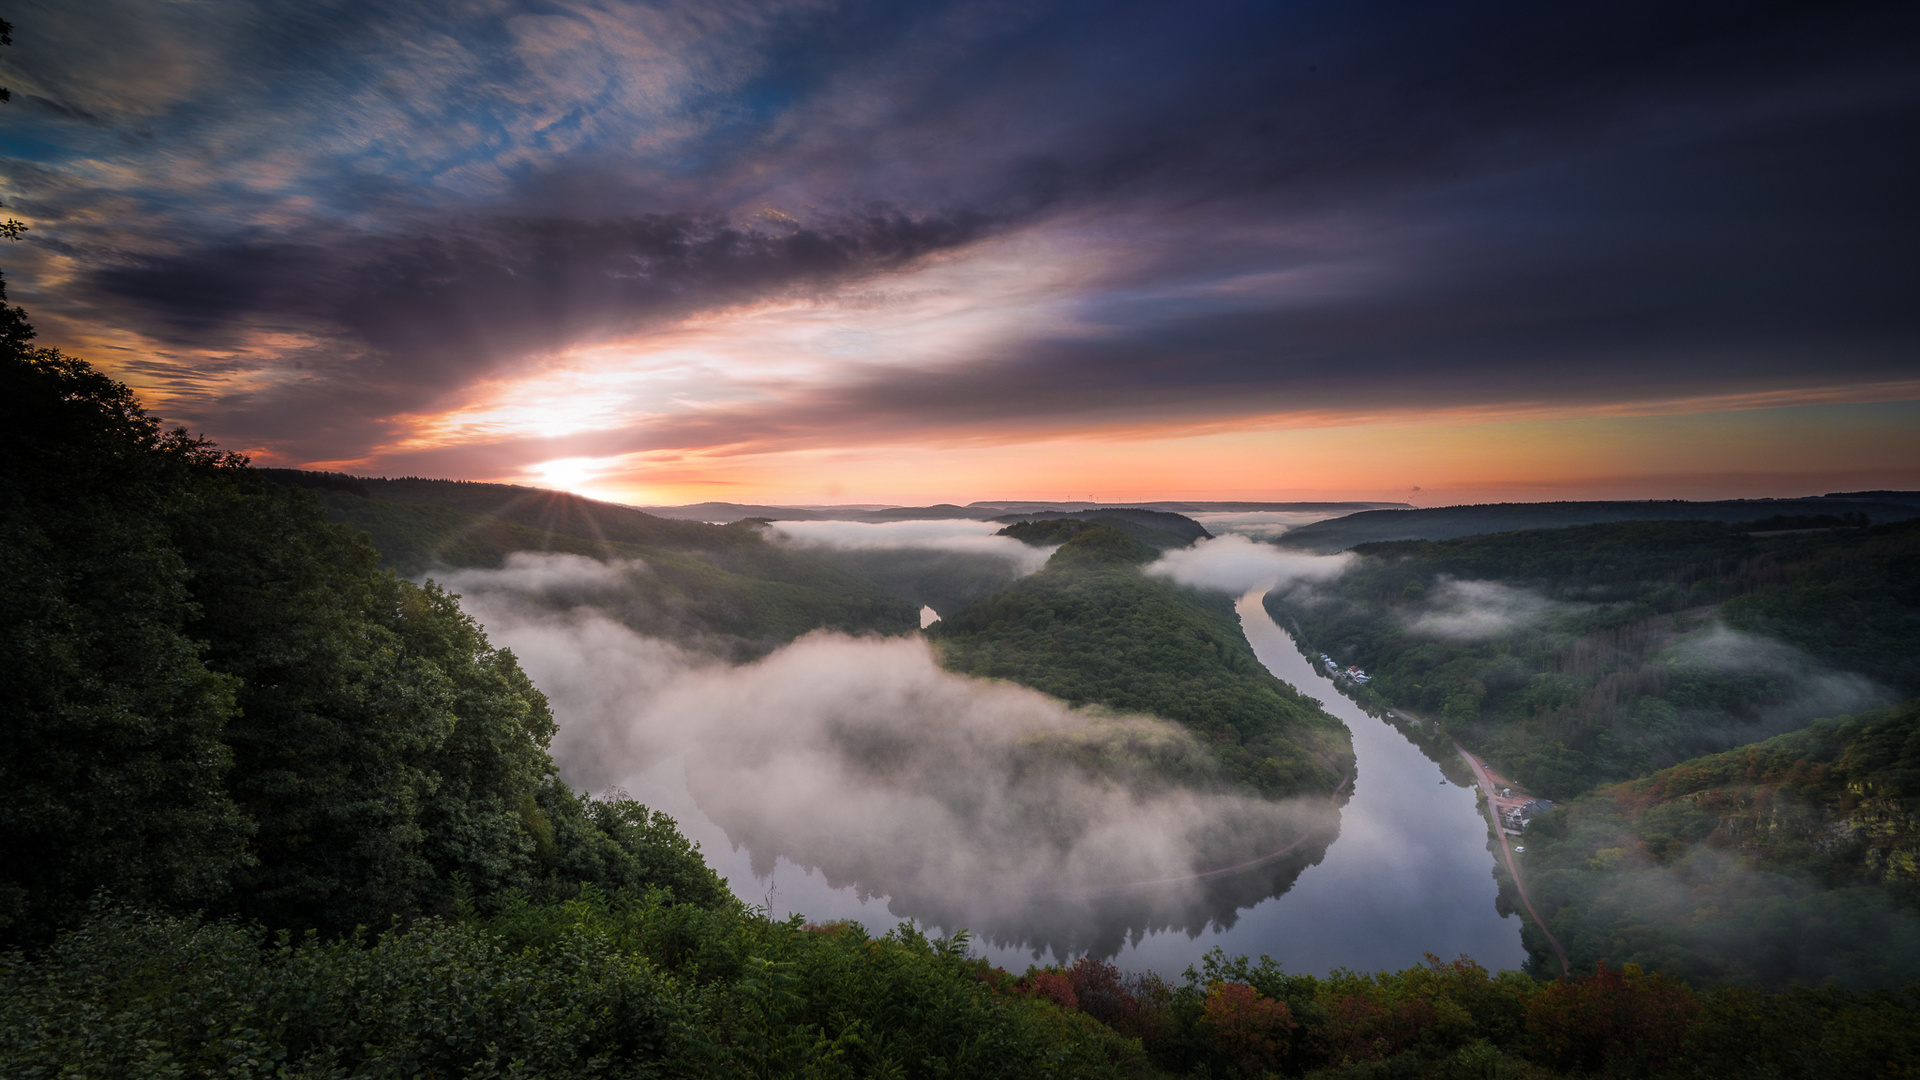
[{"x": 1409, "y": 873}]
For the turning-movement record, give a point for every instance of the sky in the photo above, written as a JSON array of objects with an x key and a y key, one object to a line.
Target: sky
[{"x": 823, "y": 252}]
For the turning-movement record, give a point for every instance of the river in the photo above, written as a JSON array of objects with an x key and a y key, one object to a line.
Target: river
[{"x": 1410, "y": 873}]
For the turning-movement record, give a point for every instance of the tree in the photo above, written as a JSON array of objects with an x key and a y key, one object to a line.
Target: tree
[{"x": 111, "y": 756}]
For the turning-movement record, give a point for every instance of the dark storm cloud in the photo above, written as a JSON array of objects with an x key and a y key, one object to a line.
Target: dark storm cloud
[
  {"x": 1496, "y": 201},
  {"x": 466, "y": 297}
]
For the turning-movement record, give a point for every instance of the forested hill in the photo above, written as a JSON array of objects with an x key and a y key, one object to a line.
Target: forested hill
[
  {"x": 483, "y": 519},
  {"x": 1593, "y": 654},
  {"x": 1155, "y": 528},
  {"x": 1092, "y": 629},
  {"x": 1450, "y": 522},
  {"x": 1795, "y": 859},
  {"x": 726, "y": 588}
]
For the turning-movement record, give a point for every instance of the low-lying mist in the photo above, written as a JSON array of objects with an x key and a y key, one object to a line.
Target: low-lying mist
[
  {"x": 945, "y": 565},
  {"x": 966, "y": 537},
  {"x": 967, "y": 802},
  {"x": 1260, "y": 524},
  {"x": 1795, "y": 687},
  {"x": 1708, "y": 915},
  {"x": 1477, "y": 610},
  {"x": 1234, "y": 564}
]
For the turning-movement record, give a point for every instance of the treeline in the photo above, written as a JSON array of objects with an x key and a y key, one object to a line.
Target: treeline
[
  {"x": 1090, "y": 628},
  {"x": 630, "y": 986}
]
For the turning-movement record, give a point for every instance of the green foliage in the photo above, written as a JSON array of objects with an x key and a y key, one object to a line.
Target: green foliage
[
  {"x": 1044, "y": 533},
  {"x": 1852, "y": 600},
  {"x": 598, "y": 986},
  {"x": 1156, "y": 529},
  {"x": 137, "y": 996},
  {"x": 1598, "y": 682},
  {"x": 113, "y": 762},
  {"x": 1092, "y": 629},
  {"x": 943, "y": 580},
  {"x": 1788, "y": 860},
  {"x": 633, "y": 985}
]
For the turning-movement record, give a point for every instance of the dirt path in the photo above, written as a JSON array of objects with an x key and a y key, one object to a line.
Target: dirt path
[{"x": 1488, "y": 788}]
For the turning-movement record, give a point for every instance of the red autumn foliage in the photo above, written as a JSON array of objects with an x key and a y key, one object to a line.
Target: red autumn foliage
[
  {"x": 1608, "y": 1019},
  {"x": 1133, "y": 1007},
  {"x": 1248, "y": 1029},
  {"x": 1362, "y": 1029},
  {"x": 1052, "y": 987}
]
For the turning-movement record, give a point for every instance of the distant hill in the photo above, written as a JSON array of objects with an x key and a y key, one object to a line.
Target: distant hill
[
  {"x": 728, "y": 512},
  {"x": 1157, "y": 529},
  {"x": 1448, "y": 522},
  {"x": 724, "y": 586},
  {"x": 1184, "y": 507},
  {"x": 557, "y": 512},
  {"x": 981, "y": 511}
]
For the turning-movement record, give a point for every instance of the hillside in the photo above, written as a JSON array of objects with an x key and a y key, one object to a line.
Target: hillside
[
  {"x": 1450, "y": 522},
  {"x": 1157, "y": 529},
  {"x": 464, "y": 523},
  {"x": 980, "y": 511},
  {"x": 1794, "y": 859},
  {"x": 724, "y": 586},
  {"x": 1091, "y": 629},
  {"x": 1594, "y": 654}
]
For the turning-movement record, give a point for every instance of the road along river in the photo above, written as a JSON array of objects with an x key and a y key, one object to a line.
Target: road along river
[{"x": 1410, "y": 872}]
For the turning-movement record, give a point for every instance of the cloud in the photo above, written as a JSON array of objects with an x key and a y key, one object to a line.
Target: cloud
[
  {"x": 1477, "y": 610},
  {"x": 1803, "y": 688},
  {"x": 1306, "y": 209},
  {"x": 511, "y": 288},
  {"x": 965, "y": 537},
  {"x": 968, "y": 802},
  {"x": 1234, "y": 564}
]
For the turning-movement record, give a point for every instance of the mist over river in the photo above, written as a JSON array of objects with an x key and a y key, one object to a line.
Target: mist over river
[{"x": 1407, "y": 873}]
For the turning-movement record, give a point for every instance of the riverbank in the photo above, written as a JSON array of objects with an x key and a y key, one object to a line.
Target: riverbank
[{"x": 1489, "y": 788}]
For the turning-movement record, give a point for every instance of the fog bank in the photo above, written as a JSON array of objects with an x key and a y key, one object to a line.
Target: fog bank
[
  {"x": 1235, "y": 564},
  {"x": 968, "y": 802},
  {"x": 1477, "y": 610},
  {"x": 966, "y": 537},
  {"x": 1261, "y": 524}
]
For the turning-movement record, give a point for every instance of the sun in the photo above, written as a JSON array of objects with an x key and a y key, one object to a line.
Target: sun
[{"x": 569, "y": 474}]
